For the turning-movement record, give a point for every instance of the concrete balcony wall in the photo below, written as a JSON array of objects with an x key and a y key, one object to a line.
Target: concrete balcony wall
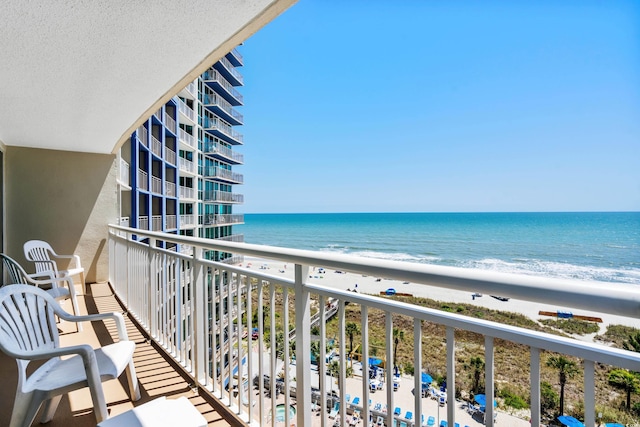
[{"x": 65, "y": 198}]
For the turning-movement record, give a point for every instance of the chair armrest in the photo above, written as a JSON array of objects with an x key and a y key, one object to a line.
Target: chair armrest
[
  {"x": 119, "y": 319},
  {"x": 84, "y": 350},
  {"x": 76, "y": 258}
]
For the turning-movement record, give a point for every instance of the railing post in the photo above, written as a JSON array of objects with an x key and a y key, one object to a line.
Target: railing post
[
  {"x": 343, "y": 363},
  {"x": 488, "y": 381},
  {"x": 152, "y": 290},
  {"x": 589, "y": 394},
  {"x": 417, "y": 368},
  {"x": 303, "y": 346},
  {"x": 535, "y": 387},
  {"x": 199, "y": 317},
  {"x": 388, "y": 326},
  {"x": 451, "y": 376}
]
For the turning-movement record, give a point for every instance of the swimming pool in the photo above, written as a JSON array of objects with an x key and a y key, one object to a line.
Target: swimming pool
[{"x": 280, "y": 413}]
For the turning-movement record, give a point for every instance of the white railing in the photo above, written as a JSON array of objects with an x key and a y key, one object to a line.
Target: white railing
[
  {"x": 213, "y": 98},
  {"x": 124, "y": 221},
  {"x": 225, "y": 128},
  {"x": 224, "y": 219},
  {"x": 214, "y": 75},
  {"x": 213, "y": 147},
  {"x": 235, "y": 73},
  {"x": 170, "y": 123},
  {"x": 124, "y": 172},
  {"x": 187, "y": 111},
  {"x": 156, "y": 146},
  {"x": 187, "y": 165},
  {"x": 223, "y": 196},
  {"x": 170, "y": 155},
  {"x": 142, "y": 136},
  {"x": 158, "y": 114},
  {"x": 187, "y": 193},
  {"x": 216, "y": 172},
  {"x": 187, "y": 219},
  {"x": 152, "y": 283},
  {"x": 143, "y": 181},
  {"x": 170, "y": 189},
  {"x": 143, "y": 222},
  {"x": 172, "y": 222},
  {"x": 187, "y": 138},
  {"x": 156, "y": 185},
  {"x": 156, "y": 222}
]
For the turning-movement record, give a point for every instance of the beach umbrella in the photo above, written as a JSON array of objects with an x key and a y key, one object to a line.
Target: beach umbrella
[
  {"x": 374, "y": 361},
  {"x": 481, "y": 399},
  {"x": 569, "y": 421},
  {"x": 426, "y": 378},
  {"x": 613, "y": 425}
]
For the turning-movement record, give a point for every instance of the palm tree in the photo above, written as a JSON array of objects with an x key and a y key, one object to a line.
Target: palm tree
[
  {"x": 351, "y": 329},
  {"x": 398, "y": 336},
  {"x": 334, "y": 370},
  {"x": 566, "y": 369},
  {"x": 625, "y": 380},
  {"x": 478, "y": 367}
]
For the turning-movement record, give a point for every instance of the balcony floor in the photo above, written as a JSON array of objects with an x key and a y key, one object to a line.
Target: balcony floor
[{"x": 156, "y": 375}]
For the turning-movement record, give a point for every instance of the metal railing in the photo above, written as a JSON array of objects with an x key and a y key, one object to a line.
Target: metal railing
[
  {"x": 142, "y": 136},
  {"x": 187, "y": 165},
  {"x": 143, "y": 222},
  {"x": 222, "y": 126},
  {"x": 187, "y": 193},
  {"x": 222, "y": 196},
  {"x": 156, "y": 185},
  {"x": 124, "y": 172},
  {"x": 225, "y": 174},
  {"x": 187, "y": 111},
  {"x": 156, "y": 146},
  {"x": 156, "y": 222},
  {"x": 213, "y": 147},
  {"x": 158, "y": 114},
  {"x": 213, "y": 98},
  {"x": 143, "y": 181},
  {"x": 229, "y": 66},
  {"x": 187, "y": 219},
  {"x": 172, "y": 222},
  {"x": 170, "y": 155},
  {"x": 214, "y": 75},
  {"x": 187, "y": 138},
  {"x": 170, "y": 189},
  {"x": 187, "y": 304},
  {"x": 170, "y": 123},
  {"x": 222, "y": 219}
]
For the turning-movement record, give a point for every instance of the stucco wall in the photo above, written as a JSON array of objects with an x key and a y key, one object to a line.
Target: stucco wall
[{"x": 65, "y": 198}]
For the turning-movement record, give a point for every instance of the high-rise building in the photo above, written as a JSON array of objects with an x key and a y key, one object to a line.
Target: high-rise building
[{"x": 177, "y": 169}]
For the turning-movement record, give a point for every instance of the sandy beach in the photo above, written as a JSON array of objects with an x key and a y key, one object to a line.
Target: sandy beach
[{"x": 375, "y": 285}]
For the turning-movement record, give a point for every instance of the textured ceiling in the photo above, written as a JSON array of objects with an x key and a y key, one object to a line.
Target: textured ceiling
[{"x": 80, "y": 75}]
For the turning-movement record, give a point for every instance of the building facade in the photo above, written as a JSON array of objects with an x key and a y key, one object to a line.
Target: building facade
[{"x": 177, "y": 171}]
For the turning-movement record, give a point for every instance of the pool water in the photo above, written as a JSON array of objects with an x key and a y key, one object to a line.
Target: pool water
[{"x": 280, "y": 413}]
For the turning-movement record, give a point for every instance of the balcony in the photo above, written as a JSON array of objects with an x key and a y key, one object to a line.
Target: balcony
[
  {"x": 235, "y": 57},
  {"x": 214, "y": 80},
  {"x": 123, "y": 176},
  {"x": 140, "y": 273},
  {"x": 156, "y": 375},
  {"x": 170, "y": 189},
  {"x": 170, "y": 124},
  {"x": 187, "y": 193},
  {"x": 229, "y": 72},
  {"x": 223, "y": 130},
  {"x": 172, "y": 222},
  {"x": 187, "y": 138},
  {"x": 143, "y": 180},
  {"x": 156, "y": 185},
  {"x": 187, "y": 220},
  {"x": 222, "y": 197},
  {"x": 219, "y": 151},
  {"x": 187, "y": 166},
  {"x": 217, "y": 105},
  {"x": 142, "y": 136},
  {"x": 170, "y": 155},
  {"x": 186, "y": 111},
  {"x": 223, "y": 175},
  {"x": 223, "y": 219},
  {"x": 156, "y": 146}
]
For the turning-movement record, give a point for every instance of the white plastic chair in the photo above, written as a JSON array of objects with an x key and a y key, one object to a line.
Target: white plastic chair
[
  {"x": 45, "y": 280},
  {"x": 43, "y": 256},
  {"x": 28, "y": 332}
]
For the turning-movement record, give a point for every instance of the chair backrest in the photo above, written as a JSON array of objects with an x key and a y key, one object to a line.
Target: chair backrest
[
  {"x": 15, "y": 271},
  {"x": 39, "y": 252},
  {"x": 27, "y": 322}
]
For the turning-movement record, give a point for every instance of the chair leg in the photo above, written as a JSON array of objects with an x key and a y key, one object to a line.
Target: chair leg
[
  {"x": 50, "y": 407},
  {"x": 84, "y": 283},
  {"x": 74, "y": 303},
  {"x": 25, "y": 408},
  {"x": 132, "y": 379}
]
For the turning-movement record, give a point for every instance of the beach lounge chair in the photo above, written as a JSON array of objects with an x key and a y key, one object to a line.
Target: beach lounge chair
[
  {"x": 356, "y": 401},
  {"x": 348, "y": 396},
  {"x": 408, "y": 416},
  {"x": 457, "y": 424},
  {"x": 397, "y": 411},
  {"x": 431, "y": 421},
  {"x": 334, "y": 411},
  {"x": 443, "y": 423},
  {"x": 378, "y": 407},
  {"x": 380, "y": 421}
]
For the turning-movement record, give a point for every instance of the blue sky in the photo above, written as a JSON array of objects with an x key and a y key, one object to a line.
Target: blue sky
[{"x": 443, "y": 106}]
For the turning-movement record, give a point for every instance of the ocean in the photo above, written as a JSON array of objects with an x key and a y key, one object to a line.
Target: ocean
[{"x": 586, "y": 246}]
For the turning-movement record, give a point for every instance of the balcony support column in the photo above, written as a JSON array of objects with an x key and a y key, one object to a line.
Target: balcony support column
[
  {"x": 488, "y": 381},
  {"x": 451, "y": 375},
  {"x": 535, "y": 387},
  {"x": 303, "y": 345},
  {"x": 343, "y": 363},
  {"x": 364, "y": 327},
  {"x": 388, "y": 371},
  {"x": 589, "y": 394},
  {"x": 152, "y": 291},
  {"x": 322, "y": 366}
]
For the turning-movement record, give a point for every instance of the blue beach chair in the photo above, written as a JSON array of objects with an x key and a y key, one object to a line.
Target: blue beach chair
[
  {"x": 397, "y": 411},
  {"x": 431, "y": 421}
]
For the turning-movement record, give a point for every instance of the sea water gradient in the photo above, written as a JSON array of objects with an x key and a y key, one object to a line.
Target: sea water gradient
[{"x": 587, "y": 246}]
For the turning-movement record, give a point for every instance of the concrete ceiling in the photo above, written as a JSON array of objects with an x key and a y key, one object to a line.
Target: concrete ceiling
[{"x": 80, "y": 75}]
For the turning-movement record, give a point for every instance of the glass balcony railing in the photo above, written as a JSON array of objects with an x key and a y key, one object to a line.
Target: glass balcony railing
[
  {"x": 218, "y": 340},
  {"x": 218, "y": 150}
]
